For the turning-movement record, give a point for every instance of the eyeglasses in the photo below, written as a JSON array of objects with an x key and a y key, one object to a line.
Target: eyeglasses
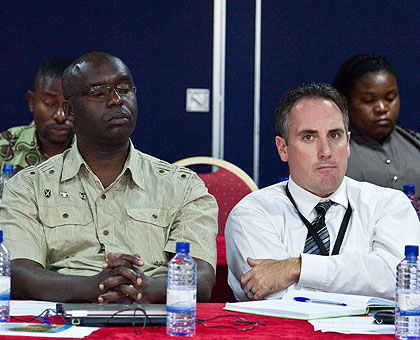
[{"x": 101, "y": 92}]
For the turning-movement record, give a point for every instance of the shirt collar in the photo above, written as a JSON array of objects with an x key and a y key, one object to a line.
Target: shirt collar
[
  {"x": 306, "y": 201},
  {"x": 73, "y": 162},
  {"x": 134, "y": 163}
]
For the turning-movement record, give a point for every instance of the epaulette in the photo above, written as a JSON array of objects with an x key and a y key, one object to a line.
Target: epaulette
[
  {"x": 51, "y": 168},
  {"x": 162, "y": 167},
  {"x": 31, "y": 170},
  {"x": 184, "y": 173}
]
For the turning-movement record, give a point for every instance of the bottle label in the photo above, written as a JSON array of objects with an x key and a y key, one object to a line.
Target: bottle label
[
  {"x": 181, "y": 301},
  {"x": 4, "y": 288},
  {"x": 408, "y": 301}
]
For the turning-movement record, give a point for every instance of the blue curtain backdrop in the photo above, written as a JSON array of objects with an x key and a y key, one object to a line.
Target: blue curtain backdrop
[
  {"x": 168, "y": 46},
  {"x": 306, "y": 41}
]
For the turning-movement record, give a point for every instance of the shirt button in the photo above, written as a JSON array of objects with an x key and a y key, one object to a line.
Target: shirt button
[
  {"x": 65, "y": 215},
  {"x": 103, "y": 196},
  {"x": 106, "y": 232},
  {"x": 154, "y": 216},
  {"x": 183, "y": 175},
  {"x": 395, "y": 179},
  {"x": 161, "y": 171},
  {"x": 388, "y": 161}
]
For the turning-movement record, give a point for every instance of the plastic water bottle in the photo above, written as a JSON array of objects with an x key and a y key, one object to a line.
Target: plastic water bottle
[
  {"x": 410, "y": 191},
  {"x": 4, "y": 281},
  {"x": 5, "y": 176},
  {"x": 181, "y": 292},
  {"x": 407, "y": 307}
]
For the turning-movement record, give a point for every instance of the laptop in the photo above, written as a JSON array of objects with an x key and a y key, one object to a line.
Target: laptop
[{"x": 101, "y": 315}]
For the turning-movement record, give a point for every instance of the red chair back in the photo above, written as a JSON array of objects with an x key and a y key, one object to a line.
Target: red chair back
[
  {"x": 228, "y": 189},
  {"x": 228, "y": 185}
]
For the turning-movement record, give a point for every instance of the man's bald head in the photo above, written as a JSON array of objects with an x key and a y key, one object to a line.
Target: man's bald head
[
  {"x": 78, "y": 68},
  {"x": 100, "y": 100}
]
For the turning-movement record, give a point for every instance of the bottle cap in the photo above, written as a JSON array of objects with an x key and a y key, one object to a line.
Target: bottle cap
[
  {"x": 1, "y": 236},
  {"x": 409, "y": 189},
  {"x": 411, "y": 251},
  {"x": 183, "y": 247},
  {"x": 8, "y": 168}
]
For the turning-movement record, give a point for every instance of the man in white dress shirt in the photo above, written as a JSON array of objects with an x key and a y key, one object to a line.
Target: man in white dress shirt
[{"x": 368, "y": 226}]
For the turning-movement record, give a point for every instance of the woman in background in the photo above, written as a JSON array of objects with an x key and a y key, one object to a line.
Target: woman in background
[{"x": 382, "y": 152}]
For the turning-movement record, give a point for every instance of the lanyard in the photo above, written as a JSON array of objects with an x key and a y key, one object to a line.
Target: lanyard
[{"x": 314, "y": 233}]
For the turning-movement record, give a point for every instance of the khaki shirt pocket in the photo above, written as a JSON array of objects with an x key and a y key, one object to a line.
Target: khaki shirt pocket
[
  {"x": 158, "y": 217},
  {"x": 59, "y": 216},
  {"x": 149, "y": 229},
  {"x": 66, "y": 230}
]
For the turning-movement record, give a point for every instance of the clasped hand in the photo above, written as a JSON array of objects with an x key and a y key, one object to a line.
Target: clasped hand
[{"x": 123, "y": 282}]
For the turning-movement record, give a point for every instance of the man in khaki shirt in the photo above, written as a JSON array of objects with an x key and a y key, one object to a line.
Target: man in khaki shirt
[{"x": 101, "y": 221}]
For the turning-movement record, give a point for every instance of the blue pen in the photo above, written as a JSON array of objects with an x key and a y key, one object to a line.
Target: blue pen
[{"x": 325, "y": 302}]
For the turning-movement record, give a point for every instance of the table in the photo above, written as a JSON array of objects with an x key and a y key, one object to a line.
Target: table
[{"x": 276, "y": 328}]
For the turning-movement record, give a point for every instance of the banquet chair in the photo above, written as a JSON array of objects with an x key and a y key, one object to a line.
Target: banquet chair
[{"x": 228, "y": 184}]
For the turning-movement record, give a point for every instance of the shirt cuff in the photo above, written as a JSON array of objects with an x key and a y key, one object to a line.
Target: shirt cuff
[{"x": 313, "y": 272}]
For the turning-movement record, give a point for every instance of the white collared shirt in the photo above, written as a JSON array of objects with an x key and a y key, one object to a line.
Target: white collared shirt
[{"x": 265, "y": 225}]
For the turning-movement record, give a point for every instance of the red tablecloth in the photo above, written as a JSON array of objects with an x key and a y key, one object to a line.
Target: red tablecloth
[{"x": 276, "y": 328}]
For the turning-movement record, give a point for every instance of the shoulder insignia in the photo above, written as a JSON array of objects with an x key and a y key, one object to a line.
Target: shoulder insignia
[
  {"x": 162, "y": 167},
  {"x": 31, "y": 170},
  {"x": 48, "y": 168},
  {"x": 184, "y": 173}
]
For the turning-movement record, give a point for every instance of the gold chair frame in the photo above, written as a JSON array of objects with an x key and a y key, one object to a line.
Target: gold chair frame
[{"x": 221, "y": 164}]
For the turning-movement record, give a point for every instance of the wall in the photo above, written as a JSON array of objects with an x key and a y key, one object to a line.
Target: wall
[
  {"x": 306, "y": 41},
  {"x": 168, "y": 46}
]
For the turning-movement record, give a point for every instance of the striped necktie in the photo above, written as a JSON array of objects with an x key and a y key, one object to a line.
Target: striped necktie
[{"x": 319, "y": 224}]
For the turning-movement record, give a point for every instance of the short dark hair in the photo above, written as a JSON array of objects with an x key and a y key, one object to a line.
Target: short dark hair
[
  {"x": 357, "y": 66},
  {"x": 314, "y": 91},
  {"x": 51, "y": 67}
]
